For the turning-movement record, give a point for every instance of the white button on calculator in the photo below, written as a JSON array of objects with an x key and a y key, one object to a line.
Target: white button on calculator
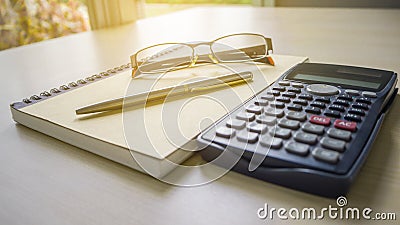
[
  {"x": 352, "y": 92},
  {"x": 369, "y": 94},
  {"x": 322, "y": 89}
]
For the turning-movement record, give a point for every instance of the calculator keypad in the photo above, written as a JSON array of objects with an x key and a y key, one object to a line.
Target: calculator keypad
[
  {"x": 339, "y": 134},
  {"x": 272, "y": 142},
  {"x": 326, "y": 155},
  {"x": 299, "y": 116},
  {"x": 225, "y": 132},
  {"x": 245, "y": 116},
  {"x": 280, "y": 132},
  {"x": 313, "y": 110},
  {"x": 299, "y": 127},
  {"x": 313, "y": 128},
  {"x": 237, "y": 124}
]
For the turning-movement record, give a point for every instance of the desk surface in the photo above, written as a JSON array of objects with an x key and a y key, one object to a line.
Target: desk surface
[{"x": 45, "y": 181}]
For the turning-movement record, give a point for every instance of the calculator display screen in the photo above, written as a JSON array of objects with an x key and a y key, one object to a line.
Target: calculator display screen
[
  {"x": 337, "y": 80},
  {"x": 348, "y": 77}
]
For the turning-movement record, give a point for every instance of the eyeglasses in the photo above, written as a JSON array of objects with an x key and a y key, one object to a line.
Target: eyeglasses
[{"x": 244, "y": 47}]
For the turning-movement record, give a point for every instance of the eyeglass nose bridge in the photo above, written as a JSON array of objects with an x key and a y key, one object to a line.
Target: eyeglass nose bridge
[
  {"x": 209, "y": 58},
  {"x": 194, "y": 45}
]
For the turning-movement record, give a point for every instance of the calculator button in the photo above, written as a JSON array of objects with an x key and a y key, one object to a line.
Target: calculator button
[
  {"x": 270, "y": 120},
  {"x": 278, "y": 105},
  {"x": 313, "y": 128},
  {"x": 280, "y": 132},
  {"x": 248, "y": 137},
  {"x": 283, "y": 99},
  {"x": 271, "y": 142},
  {"x": 297, "y": 148},
  {"x": 345, "y": 97},
  {"x": 297, "y": 85},
  {"x": 237, "y": 124},
  {"x": 359, "y": 105},
  {"x": 254, "y": 109},
  {"x": 268, "y": 97},
  {"x": 359, "y": 112},
  {"x": 345, "y": 125},
  {"x": 284, "y": 83},
  {"x": 352, "y": 92},
  {"x": 313, "y": 110},
  {"x": 225, "y": 132},
  {"x": 364, "y": 100},
  {"x": 280, "y": 89},
  {"x": 339, "y": 134},
  {"x": 341, "y": 102},
  {"x": 318, "y": 104},
  {"x": 294, "y": 90},
  {"x": 274, "y": 93},
  {"x": 305, "y": 138},
  {"x": 289, "y": 95},
  {"x": 368, "y": 94},
  {"x": 257, "y": 128},
  {"x": 320, "y": 120},
  {"x": 295, "y": 107},
  {"x": 291, "y": 124},
  {"x": 331, "y": 113},
  {"x": 261, "y": 102},
  {"x": 245, "y": 116},
  {"x": 300, "y": 102},
  {"x": 333, "y": 144},
  {"x": 306, "y": 97},
  {"x": 322, "y": 89},
  {"x": 274, "y": 112},
  {"x": 326, "y": 155},
  {"x": 339, "y": 108},
  {"x": 352, "y": 117},
  {"x": 322, "y": 99},
  {"x": 299, "y": 116}
]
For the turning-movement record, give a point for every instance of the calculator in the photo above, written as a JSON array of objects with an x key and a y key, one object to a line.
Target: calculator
[{"x": 311, "y": 130}]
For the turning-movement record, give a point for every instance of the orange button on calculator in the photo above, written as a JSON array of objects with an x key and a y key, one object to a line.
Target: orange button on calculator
[
  {"x": 345, "y": 125},
  {"x": 321, "y": 120}
]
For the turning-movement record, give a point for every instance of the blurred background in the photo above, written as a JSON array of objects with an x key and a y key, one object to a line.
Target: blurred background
[{"x": 27, "y": 21}]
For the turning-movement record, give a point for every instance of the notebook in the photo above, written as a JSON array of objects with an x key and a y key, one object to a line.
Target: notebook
[{"x": 153, "y": 139}]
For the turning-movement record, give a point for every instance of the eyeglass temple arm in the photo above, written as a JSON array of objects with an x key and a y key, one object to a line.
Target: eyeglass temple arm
[
  {"x": 134, "y": 65},
  {"x": 270, "y": 49},
  {"x": 261, "y": 49}
]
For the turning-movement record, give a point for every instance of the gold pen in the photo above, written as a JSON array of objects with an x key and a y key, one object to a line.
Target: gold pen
[{"x": 151, "y": 96}]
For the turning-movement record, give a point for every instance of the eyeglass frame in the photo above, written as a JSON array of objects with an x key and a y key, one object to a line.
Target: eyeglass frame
[{"x": 268, "y": 43}]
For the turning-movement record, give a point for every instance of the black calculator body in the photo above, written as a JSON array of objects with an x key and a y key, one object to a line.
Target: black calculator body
[{"x": 311, "y": 130}]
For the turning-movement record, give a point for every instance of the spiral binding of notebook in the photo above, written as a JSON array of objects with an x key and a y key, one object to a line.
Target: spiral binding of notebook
[{"x": 77, "y": 84}]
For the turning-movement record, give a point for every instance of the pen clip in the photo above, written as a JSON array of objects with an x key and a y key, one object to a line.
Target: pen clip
[{"x": 231, "y": 83}]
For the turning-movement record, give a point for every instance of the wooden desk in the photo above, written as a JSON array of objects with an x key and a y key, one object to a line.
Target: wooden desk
[{"x": 45, "y": 181}]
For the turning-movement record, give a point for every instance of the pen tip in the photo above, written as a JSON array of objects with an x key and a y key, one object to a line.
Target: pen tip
[{"x": 80, "y": 111}]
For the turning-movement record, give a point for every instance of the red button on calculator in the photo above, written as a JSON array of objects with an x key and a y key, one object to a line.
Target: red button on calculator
[
  {"x": 346, "y": 125},
  {"x": 320, "y": 120}
]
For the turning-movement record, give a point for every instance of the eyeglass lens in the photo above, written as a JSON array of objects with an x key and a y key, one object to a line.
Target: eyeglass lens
[
  {"x": 161, "y": 58},
  {"x": 231, "y": 48}
]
